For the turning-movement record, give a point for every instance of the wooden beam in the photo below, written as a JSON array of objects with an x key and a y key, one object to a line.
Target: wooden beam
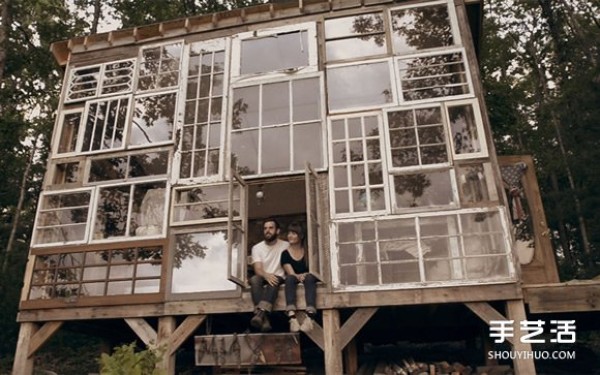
[
  {"x": 23, "y": 363},
  {"x": 42, "y": 335},
  {"x": 487, "y": 313},
  {"x": 354, "y": 324},
  {"x": 351, "y": 358},
  {"x": 143, "y": 330},
  {"x": 166, "y": 328},
  {"x": 185, "y": 329},
  {"x": 316, "y": 334},
  {"x": 333, "y": 351},
  {"x": 516, "y": 311},
  {"x": 563, "y": 297}
]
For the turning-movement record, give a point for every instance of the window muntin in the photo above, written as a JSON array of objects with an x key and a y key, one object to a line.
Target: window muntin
[
  {"x": 359, "y": 86},
  {"x": 153, "y": 119},
  {"x": 204, "y": 203},
  {"x": 422, "y": 27},
  {"x": 69, "y": 124},
  {"x": 272, "y": 124},
  {"x": 358, "y": 173},
  {"x": 356, "y": 36},
  {"x": 200, "y": 262},
  {"x": 460, "y": 247},
  {"x": 432, "y": 76},
  {"x": 99, "y": 273},
  {"x": 159, "y": 66},
  {"x": 423, "y": 190},
  {"x": 290, "y": 49},
  {"x": 476, "y": 183},
  {"x": 201, "y": 139},
  {"x": 466, "y": 129},
  {"x": 111, "y": 78},
  {"x": 62, "y": 217},
  {"x": 104, "y": 124},
  {"x": 132, "y": 210},
  {"x": 417, "y": 138},
  {"x": 124, "y": 167}
]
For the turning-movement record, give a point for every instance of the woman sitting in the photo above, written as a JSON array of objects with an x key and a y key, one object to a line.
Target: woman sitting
[{"x": 294, "y": 262}]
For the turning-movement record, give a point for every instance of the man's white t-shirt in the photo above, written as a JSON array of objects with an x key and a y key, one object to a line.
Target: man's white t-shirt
[{"x": 270, "y": 256}]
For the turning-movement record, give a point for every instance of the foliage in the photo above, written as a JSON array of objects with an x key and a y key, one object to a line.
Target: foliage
[{"x": 126, "y": 361}]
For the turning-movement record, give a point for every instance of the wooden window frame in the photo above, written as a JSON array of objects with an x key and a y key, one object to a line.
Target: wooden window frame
[
  {"x": 141, "y": 60},
  {"x": 60, "y": 128},
  {"x": 483, "y": 153},
  {"x": 100, "y": 81},
  {"x": 83, "y": 125}
]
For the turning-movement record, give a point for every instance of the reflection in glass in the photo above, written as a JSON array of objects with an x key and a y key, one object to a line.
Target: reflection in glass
[
  {"x": 104, "y": 124},
  {"x": 153, "y": 119},
  {"x": 68, "y": 132},
  {"x": 112, "y": 212},
  {"x": 201, "y": 263},
  {"x": 65, "y": 173},
  {"x": 148, "y": 164},
  {"x": 420, "y": 28},
  {"x": 303, "y": 135},
  {"x": 83, "y": 83},
  {"x": 275, "y": 149},
  {"x": 205, "y": 202},
  {"x": 244, "y": 147},
  {"x": 159, "y": 67},
  {"x": 464, "y": 129},
  {"x": 286, "y": 51},
  {"x": 474, "y": 183},
  {"x": 363, "y": 85},
  {"x": 108, "y": 169},
  {"x": 62, "y": 217},
  {"x": 355, "y": 36},
  {"x": 118, "y": 77},
  {"x": 425, "y": 189},
  {"x": 276, "y": 104},
  {"x": 148, "y": 209}
]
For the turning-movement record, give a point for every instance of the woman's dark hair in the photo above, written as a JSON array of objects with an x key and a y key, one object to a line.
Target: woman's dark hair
[{"x": 296, "y": 227}]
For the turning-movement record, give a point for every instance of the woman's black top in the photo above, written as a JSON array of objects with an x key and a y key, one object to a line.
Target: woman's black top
[{"x": 299, "y": 266}]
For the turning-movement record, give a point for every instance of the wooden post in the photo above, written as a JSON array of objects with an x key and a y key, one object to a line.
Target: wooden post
[
  {"x": 166, "y": 327},
  {"x": 333, "y": 352},
  {"x": 515, "y": 310},
  {"x": 351, "y": 358},
  {"x": 23, "y": 364}
]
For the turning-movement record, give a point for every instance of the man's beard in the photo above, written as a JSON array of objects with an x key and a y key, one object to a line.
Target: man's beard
[{"x": 269, "y": 237}]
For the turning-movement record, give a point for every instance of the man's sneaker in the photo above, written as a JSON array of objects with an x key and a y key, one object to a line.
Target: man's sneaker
[
  {"x": 258, "y": 319},
  {"x": 307, "y": 325},
  {"x": 294, "y": 325},
  {"x": 266, "y": 325}
]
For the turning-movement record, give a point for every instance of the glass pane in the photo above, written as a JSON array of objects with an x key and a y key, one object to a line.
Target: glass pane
[
  {"x": 119, "y": 287},
  {"x": 200, "y": 263},
  {"x": 149, "y": 164},
  {"x": 421, "y": 28},
  {"x": 488, "y": 267},
  {"x": 474, "y": 183},
  {"x": 83, "y": 83},
  {"x": 307, "y": 134},
  {"x": 359, "y": 86},
  {"x": 92, "y": 289},
  {"x": 69, "y": 132},
  {"x": 276, "y": 104},
  {"x": 204, "y": 202},
  {"x": 275, "y": 153},
  {"x": 148, "y": 211},
  {"x": 342, "y": 203},
  {"x": 153, "y": 119},
  {"x": 112, "y": 212},
  {"x": 423, "y": 190},
  {"x": 400, "y": 273},
  {"x": 286, "y": 51},
  {"x": 147, "y": 286},
  {"x": 364, "y": 274},
  {"x": 244, "y": 149},
  {"x": 306, "y": 95},
  {"x": 118, "y": 77},
  {"x": 65, "y": 173},
  {"x": 463, "y": 128},
  {"x": 245, "y": 107},
  {"x": 439, "y": 270},
  {"x": 108, "y": 169},
  {"x": 367, "y": 45},
  {"x": 337, "y": 129}
]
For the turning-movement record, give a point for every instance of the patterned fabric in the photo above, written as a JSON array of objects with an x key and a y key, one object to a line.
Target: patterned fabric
[{"x": 512, "y": 174}]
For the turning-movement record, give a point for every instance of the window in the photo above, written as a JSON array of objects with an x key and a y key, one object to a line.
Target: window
[
  {"x": 424, "y": 249},
  {"x": 290, "y": 49},
  {"x": 423, "y": 27},
  {"x": 201, "y": 139},
  {"x": 65, "y": 173},
  {"x": 104, "y": 125},
  {"x": 423, "y": 190},
  {"x": 356, "y": 161},
  {"x": 159, "y": 66},
  {"x": 204, "y": 203},
  {"x": 153, "y": 119},
  {"x": 475, "y": 183},
  {"x": 417, "y": 138},
  {"x": 106, "y": 79},
  {"x": 98, "y": 273},
  {"x": 466, "y": 129},
  {"x": 69, "y": 123},
  {"x": 360, "y": 86},
  {"x": 433, "y": 76},
  {"x": 277, "y": 126},
  {"x": 200, "y": 262},
  {"x": 356, "y": 36},
  {"x": 131, "y": 210},
  {"x": 62, "y": 217},
  {"x": 128, "y": 166}
]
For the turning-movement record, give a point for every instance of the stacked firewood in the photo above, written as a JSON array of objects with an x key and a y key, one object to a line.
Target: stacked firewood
[{"x": 411, "y": 367}]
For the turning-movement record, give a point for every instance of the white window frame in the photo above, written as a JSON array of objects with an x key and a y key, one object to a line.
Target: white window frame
[
  {"x": 129, "y": 127},
  {"x": 89, "y": 160},
  {"x": 279, "y": 79},
  {"x": 212, "y": 45},
  {"x": 479, "y": 126},
  {"x": 384, "y": 167},
  {"x": 59, "y": 192},
  {"x": 335, "y": 266},
  {"x": 100, "y": 81},
  {"x": 236, "y": 51},
  {"x": 419, "y": 167},
  {"x": 60, "y": 128},
  {"x": 127, "y": 236},
  {"x": 176, "y": 86},
  {"x": 445, "y": 51},
  {"x": 451, "y": 13},
  {"x": 393, "y": 85},
  {"x": 82, "y": 126}
]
